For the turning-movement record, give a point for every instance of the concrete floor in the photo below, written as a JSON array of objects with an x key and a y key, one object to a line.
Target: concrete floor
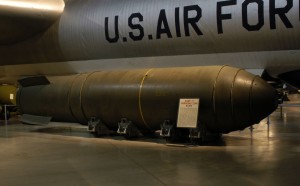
[{"x": 64, "y": 154}]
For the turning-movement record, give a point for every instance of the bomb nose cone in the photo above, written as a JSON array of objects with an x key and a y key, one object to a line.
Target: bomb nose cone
[{"x": 263, "y": 100}]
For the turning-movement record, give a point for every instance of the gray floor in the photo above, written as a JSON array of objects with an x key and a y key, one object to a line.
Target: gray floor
[{"x": 64, "y": 154}]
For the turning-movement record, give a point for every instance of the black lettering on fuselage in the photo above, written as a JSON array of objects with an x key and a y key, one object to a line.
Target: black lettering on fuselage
[
  {"x": 221, "y": 16},
  {"x": 138, "y": 27},
  {"x": 177, "y": 22},
  {"x": 162, "y": 25},
  {"x": 281, "y": 12},
  {"x": 116, "y": 37},
  {"x": 260, "y": 22},
  {"x": 192, "y": 20},
  {"x": 186, "y": 20}
]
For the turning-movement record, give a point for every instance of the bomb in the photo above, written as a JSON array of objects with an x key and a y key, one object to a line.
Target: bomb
[{"x": 230, "y": 98}]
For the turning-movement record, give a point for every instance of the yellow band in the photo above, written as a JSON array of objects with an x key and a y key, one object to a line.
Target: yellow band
[{"x": 140, "y": 94}]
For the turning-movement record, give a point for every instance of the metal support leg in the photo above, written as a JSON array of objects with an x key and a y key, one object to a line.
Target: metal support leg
[
  {"x": 195, "y": 135},
  {"x": 126, "y": 128},
  {"x": 5, "y": 116},
  {"x": 201, "y": 135},
  {"x": 96, "y": 127},
  {"x": 169, "y": 131},
  {"x": 166, "y": 129},
  {"x": 251, "y": 131}
]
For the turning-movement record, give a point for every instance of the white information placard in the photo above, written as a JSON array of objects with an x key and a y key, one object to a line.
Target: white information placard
[
  {"x": 11, "y": 96},
  {"x": 188, "y": 113}
]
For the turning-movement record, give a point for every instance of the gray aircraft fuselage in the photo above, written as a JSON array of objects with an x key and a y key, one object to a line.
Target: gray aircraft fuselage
[{"x": 117, "y": 34}]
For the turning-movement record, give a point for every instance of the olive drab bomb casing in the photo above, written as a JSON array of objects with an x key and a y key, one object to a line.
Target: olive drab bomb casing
[{"x": 230, "y": 98}]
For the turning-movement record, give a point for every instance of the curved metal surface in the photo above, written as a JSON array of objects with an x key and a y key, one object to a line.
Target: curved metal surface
[
  {"x": 230, "y": 98},
  {"x": 75, "y": 98},
  {"x": 112, "y": 95},
  {"x": 81, "y": 33},
  {"x": 241, "y": 94},
  {"x": 21, "y": 19},
  {"x": 89, "y": 41},
  {"x": 50, "y": 100}
]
